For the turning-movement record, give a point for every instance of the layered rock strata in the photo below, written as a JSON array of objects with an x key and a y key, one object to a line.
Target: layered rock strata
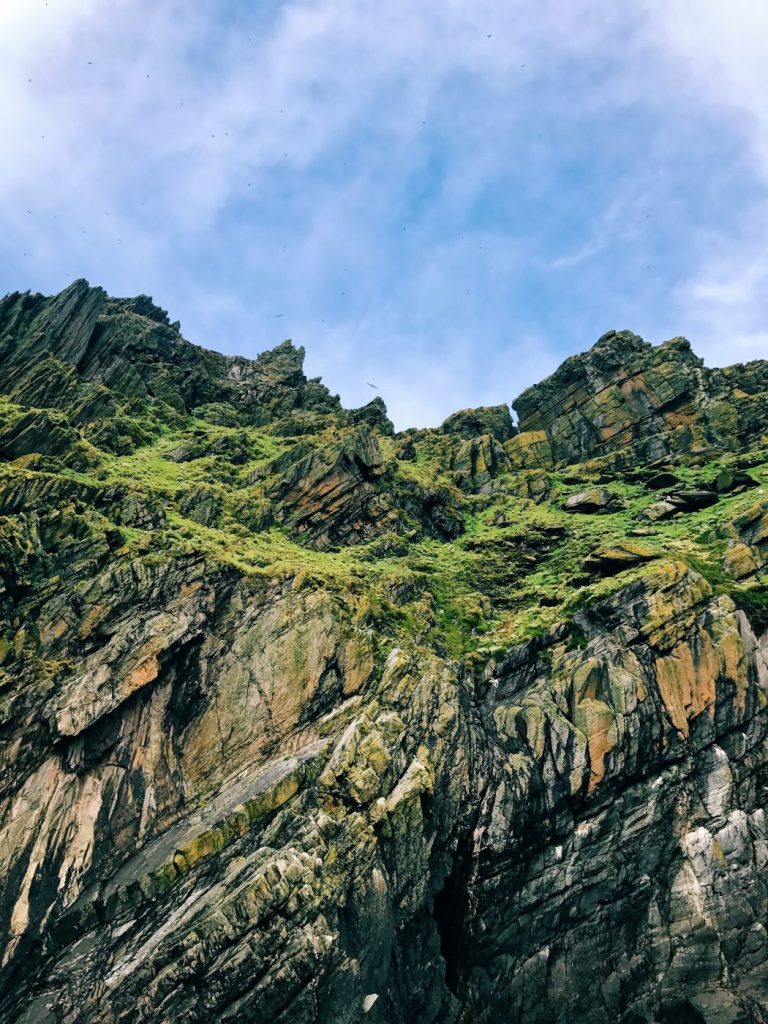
[{"x": 301, "y": 721}]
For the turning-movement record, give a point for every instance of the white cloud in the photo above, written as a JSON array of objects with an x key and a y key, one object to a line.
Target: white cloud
[
  {"x": 133, "y": 92},
  {"x": 719, "y": 52},
  {"x": 725, "y": 301},
  {"x": 144, "y": 124}
]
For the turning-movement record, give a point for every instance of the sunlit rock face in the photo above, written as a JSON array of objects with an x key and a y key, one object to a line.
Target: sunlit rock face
[
  {"x": 625, "y": 396},
  {"x": 302, "y": 720}
]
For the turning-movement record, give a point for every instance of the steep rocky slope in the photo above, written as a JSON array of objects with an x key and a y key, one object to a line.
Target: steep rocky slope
[{"x": 302, "y": 720}]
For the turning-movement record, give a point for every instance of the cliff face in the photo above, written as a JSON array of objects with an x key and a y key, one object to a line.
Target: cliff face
[
  {"x": 302, "y": 720},
  {"x": 626, "y": 398}
]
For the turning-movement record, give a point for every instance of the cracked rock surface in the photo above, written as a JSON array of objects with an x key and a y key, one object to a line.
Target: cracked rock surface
[{"x": 302, "y": 720}]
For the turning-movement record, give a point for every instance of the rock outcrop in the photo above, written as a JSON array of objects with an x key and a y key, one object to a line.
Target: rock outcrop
[
  {"x": 303, "y": 722},
  {"x": 596, "y": 500},
  {"x": 626, "y": 397},
  {"x": 494, "y": 420},
  {"x": 129, "y": 347}
]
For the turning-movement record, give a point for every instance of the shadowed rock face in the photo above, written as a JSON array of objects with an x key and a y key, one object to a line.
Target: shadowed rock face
[
  {"x": 129, "y": 346},
  {"x": 300, "y": 722}
]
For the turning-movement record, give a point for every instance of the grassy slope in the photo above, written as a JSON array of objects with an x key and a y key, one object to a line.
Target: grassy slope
[{"x": 481, "y": 590}]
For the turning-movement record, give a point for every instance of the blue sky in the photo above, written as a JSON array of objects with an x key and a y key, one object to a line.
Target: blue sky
[{"x": 442, "y": 198}]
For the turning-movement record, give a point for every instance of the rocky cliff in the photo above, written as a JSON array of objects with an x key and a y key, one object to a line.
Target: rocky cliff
[{"x": 303, "y": 720}]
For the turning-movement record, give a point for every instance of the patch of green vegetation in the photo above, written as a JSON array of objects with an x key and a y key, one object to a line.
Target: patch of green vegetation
[
  {"x": 515, "y": 572},
  {"x": 269, "y": 553},
  {"x": 753, "y": 601},
  {"x": 148, "y": 466},
  {"x": 206, "y": 484}
]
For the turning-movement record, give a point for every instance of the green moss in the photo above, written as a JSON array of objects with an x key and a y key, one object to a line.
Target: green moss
[
  {"x": 753, "y": 601},
  {"x": 515, "y": 571}
]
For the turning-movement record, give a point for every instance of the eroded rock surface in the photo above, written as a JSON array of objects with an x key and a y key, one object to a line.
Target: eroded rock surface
[
  {"x": 304, "y": 722},
  {"x": 625, "y": 396}
]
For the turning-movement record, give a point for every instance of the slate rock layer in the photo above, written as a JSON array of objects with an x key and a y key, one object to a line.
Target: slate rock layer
[{"x": 303, "y": 721}]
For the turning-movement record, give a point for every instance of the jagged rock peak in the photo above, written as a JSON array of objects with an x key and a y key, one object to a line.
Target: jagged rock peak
[
  {"x": 625, "y": 397},
  {"x": 143, "y": 305},
  {"x": 130, "y": 346}
]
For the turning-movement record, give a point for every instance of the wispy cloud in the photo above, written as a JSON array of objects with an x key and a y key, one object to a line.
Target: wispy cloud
[
  {"x": 426, "y": 191},
  {"x": 722, "y": 53},
  {"x": 725, "y": 300}
]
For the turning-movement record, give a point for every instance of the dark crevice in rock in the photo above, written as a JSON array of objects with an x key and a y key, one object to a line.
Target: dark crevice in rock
[
  {"x": 677, "y": 1011},
  {"x": 450, "y": 912}
]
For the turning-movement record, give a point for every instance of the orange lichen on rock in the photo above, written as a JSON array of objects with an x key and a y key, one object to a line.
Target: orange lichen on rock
[{"x": 687, "y": 682}]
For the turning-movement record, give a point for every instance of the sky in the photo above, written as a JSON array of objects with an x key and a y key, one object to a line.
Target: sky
[{"x": 443, "y": 199}]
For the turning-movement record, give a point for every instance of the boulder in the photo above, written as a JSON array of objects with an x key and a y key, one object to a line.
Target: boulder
[
  {"x": 660, "y": 510},
  {"x": 615, "y": 558},
  {"x": 661, "y": 481},
  {"x": 598, "y": 500},
  {"x": 691, "y": 499},
  {"x": 731, "y": 481}
]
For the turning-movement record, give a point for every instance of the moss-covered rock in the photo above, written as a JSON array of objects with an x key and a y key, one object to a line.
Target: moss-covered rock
[
  {"x": 301, "y": 720},
  {"x": 598, "y": 500},
  {"x": 495, "y": 421},
  {"x": 625, "y": 395}
]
